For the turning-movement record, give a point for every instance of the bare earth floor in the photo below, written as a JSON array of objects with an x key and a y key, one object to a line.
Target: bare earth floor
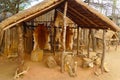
[{"x": 38, "y": 71}]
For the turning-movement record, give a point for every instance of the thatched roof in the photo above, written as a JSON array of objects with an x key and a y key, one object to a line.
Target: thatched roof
[{"x": 78, "y": 11}]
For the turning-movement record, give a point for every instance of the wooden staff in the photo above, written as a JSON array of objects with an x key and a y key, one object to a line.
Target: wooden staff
[{"x": 64, "y": 35}]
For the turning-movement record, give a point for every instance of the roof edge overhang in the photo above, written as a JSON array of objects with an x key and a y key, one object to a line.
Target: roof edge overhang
[
  {"x": 105, "y": 19},
  {"x": 48, "y": 5}
]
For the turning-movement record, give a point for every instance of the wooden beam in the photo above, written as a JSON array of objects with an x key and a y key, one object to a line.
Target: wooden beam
[
  {"x": 20, "y": 49},
  {"x": 77, "y": 19},
  {"x": 86, "y": 18},
  {"x": 64, "y": 35},
  {"x": 88, "y": 48},
  {"x": 52, "y": 29},
  {"x": 55, "y": 14},
  {"x": 103, "y": 54},
  {"x": 78, "y": 36},
  {"x": 93, "y": 40},
  {"x": 81, "y": 22},
  {"x": 91, "y": 27},
  {"x": 1, "y": 37},
  {"x": 80, "y": 19}
]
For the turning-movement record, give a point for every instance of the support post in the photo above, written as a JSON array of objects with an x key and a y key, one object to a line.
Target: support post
[
  {"x": 64, "y": 35},
  {"x": 20, "y": 48},
  {"x": 93, "y": 40},
  {"x": 88, "y": 50},
  {"x": 103, "y": 54},
  {"x": 1, "y": 38},
  {"x": 52, "y": 38},
  {"x": 54, "y": 43},
  {"x": 54, "y": 46},
  {"x": 78, "y": 36}
]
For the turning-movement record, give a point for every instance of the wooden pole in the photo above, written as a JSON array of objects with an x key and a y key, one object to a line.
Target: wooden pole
[
  {"x": 78, "y": 33},
  {"x": 93, "y": 40},
  {"x": 64, "y": 35},
  {"x": 83, "y": 36},
  {"x": 1, "y": 37},
  {"x": 54, "y": 44},
  {"x": 88, "y": 50},
  {"x": 52, "y": 38},
  {"x": 54, "y": 47},
  {"x": 20, "y": 48},
  {"x": 103, "y": 54}
]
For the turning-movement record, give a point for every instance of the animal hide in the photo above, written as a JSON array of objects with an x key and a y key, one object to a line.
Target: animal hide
[
  {"x": 41, "y": 36},
  {"x": 69, "y": 38}
]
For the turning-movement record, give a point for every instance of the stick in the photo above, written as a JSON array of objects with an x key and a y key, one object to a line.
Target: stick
[{"x": 17, "y": 75}]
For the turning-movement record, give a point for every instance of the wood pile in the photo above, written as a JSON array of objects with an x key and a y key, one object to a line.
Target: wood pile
[
  {"x": 37, "y": 55},
  {"x": 70, "y": 65},
  {"x": 51, "y": 63}
]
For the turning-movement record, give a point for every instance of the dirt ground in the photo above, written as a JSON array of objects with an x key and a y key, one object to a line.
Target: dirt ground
[{"x": 38, "y": 71}]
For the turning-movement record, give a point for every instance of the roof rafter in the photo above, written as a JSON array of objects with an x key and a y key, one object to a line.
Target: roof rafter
[{"x": 87, "y": 20}]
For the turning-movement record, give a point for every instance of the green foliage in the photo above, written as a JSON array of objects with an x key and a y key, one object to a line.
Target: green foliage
[{"x": 14, "y": 6}]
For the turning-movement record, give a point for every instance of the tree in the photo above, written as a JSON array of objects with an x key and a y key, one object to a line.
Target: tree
[
  {"x": 114, "y": 11},
  {"x": 14, "y": 6}
]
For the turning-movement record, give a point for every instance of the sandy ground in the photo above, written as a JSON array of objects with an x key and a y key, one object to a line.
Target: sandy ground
[
  {"x": 7, "y": 68},
  {"x": 38, "y": 71}
]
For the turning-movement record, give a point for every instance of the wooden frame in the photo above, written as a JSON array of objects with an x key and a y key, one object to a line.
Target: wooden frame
[
  {"x": 64, "y": 35},
  {"x": 103, "y": 54}
]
